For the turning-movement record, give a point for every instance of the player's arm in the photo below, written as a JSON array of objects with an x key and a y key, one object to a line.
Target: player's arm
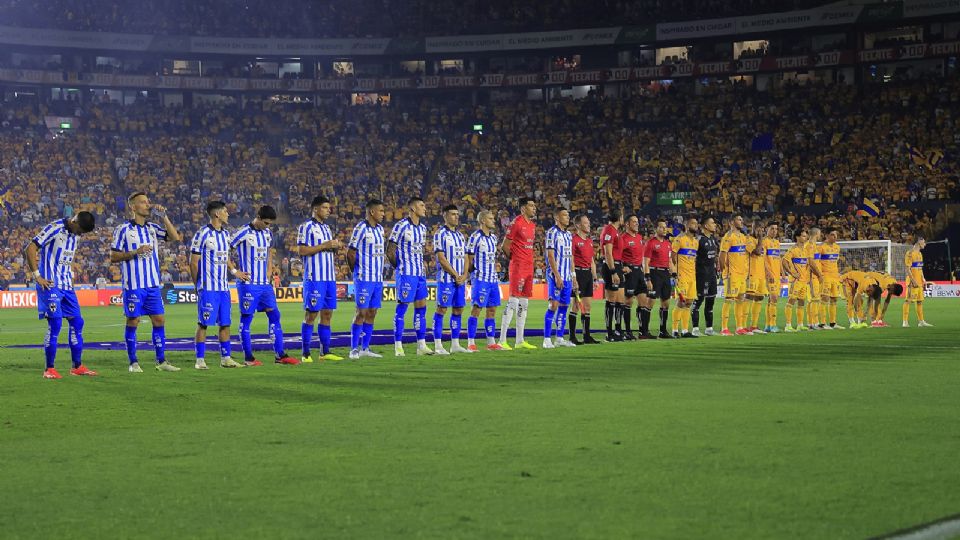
[
  {"x": 573, "y": 272},
  {"x": 608, "y": 259},
  {"x": 172, "y": 234},
  {"x": 352, "y": 257},
  {"x": 551, "y": 254},
  {"x": 235, "y": 272},
  {"x": 468, "y": 264},
  {"x": 194, "y": 267},
  {"x": 442, "y": 260},
  {"x": 722, "y": 262},
  {"x": 120, "y": 253},
  {"x": 32, "y": 256}
]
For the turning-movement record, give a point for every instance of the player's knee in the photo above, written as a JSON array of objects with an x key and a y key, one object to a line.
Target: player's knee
[
  {"x": 133, "y": 322},
  {"x": 76, "y": 323},
  {"x": 157, "y": 320}
]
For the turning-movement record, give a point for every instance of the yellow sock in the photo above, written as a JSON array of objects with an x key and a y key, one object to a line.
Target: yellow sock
[
  {"x": 771, "y": 314},
  {"x": 677, "y": 313},
  {"x": 724, "y": 315},
  {"x": 906, "y": 312},
  {"x": 800, "y": 311},
  {"x": 788, "y": 314},
  {"x": 850, "y": 314},
  {"x": 808, "y": 311},
  {"x": 833, "y": 313},
  {"x": 757, "y": 307},
  {"x": 860, "y": 312},
  {"x": 741, "y": 314},
  {"x": 684, "y": 317},
  {"x": 920, "y": 311},
  {"x": 823, "y": 312}
]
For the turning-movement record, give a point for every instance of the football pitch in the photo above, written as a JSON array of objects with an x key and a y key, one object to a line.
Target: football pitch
[{"x": 842, "y": 434}]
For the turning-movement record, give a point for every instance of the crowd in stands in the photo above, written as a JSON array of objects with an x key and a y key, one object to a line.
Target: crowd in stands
[
  {"x": 370, "y": 18},
  {"x": 799, "y": 155}
]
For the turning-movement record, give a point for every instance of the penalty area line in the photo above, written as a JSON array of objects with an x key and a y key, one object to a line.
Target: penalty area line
[{"x": 941, "y": 529}]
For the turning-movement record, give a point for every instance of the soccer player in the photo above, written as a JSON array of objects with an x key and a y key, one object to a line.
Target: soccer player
[
  {"x": 685, "y": 261},
  {"x": 209, "y": 264},
  {"x": 560, "y": 283},
  {"x": 814, "y": 319},
  {"x": 734, "y": 266},
  {"x": 135, "y": 246},
  {"x": 611, "y": 249},
  {"x": 913, "y": 260},
  {"x": 770, "y": 245},
  {"x": 49, "y": 257},
  {"x": 316, "y": 244},
  {"x": 707, "y": 271},
  {"x": 756, "y": 280},
  {"x": 796, "y": 264},
  {"x": 659, "y": 272},
  {"x": 481, "y": 264},
  {"x": 884, "y": 282},
  {"x": 586, "y": 274},
  {"x": 830, "y": 286},
  {"x": 252, "y": 243},
  {"x": 450, "y": 249},
  {"x": 518, "y": 245},
  {"x": 850, "y": 281},
  {"x": 365, "y": 256},
  {"x": 405, "y": 253},
  {"x": 635, "y": 287}
]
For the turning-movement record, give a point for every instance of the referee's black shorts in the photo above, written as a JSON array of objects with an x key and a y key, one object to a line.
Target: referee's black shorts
[
  {"x": 608, "y": 274},
  {"x": 706, "y": 283},
  {"x": 636, "y": 285},
  {"x": 584, "y": 278},
  {"x": 662, "y": 288}
]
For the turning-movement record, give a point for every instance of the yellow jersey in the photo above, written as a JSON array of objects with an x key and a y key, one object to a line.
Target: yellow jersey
[
  {"x": 882, "y": 278},
  {"x": 756, "y": 261},
  {"x": 771, "y": 256},
  {"x": 685, "y": 246},
  {"x": 812, "y": 252},
  {"x": 854, "y": 276},
  {"x": 734, "y": 244},
  {"x": 914, "y": 263},
  {"x": 830, "y": 261},
  {"x": 801, "y": 262}
]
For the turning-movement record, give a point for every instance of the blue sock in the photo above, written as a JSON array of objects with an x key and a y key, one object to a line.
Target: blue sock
[
  {"x": 472, "y": 328},
  {"x": 201, "y": 349},
  {"x": 398, "y": 321},
  {"x": 323, "y": 330},
  {"x": 225, "y": 348},
  {"x": 355, "y": 336},
  {"x": 276, "y": 331},
  {"x": 245, "y": 341},
  {"x": 367, "y": 335},
  {"x": 562, "y": 320},
  {"x": 76, "y": 341},
  {"x": 420, "y": 322},
  {"x": 490, "y": 328},
  {"x": 306, "y": 334},
  {"x": 548, "y": 319},
  {"x": 437, "y": 326},
  {"x": 456, "y": 323},
  {"x": 130, "y": 337},
  {"x": 50, "y": 343},
  {"x": 160, "y": 343}
]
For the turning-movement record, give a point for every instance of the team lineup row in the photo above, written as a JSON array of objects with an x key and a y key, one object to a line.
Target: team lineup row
[{"x": 635, "y": 271}]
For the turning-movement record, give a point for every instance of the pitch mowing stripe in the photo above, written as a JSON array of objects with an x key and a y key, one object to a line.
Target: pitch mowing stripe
[{"x": 942, "y": 529}]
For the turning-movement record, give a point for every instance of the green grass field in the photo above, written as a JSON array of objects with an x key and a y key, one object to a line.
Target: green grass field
[{"x": 815, "y": 435}]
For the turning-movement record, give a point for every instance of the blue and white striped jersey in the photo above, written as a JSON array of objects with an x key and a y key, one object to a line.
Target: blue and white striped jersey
[
  {"x": 253, "y": 252},
  {"x": 320, "y": 265},
  {"x": 213, "y": 247},
  {"x": 561, "y": 242},
  {"x": 483, "y": 247},
  {"x": 410, "y": 240},
  {"x": 451, "y": 244},
  {"x": 143, "y": 271},
  {"x": 368, "y": 241},
  {"x": 57, "y": 246}
]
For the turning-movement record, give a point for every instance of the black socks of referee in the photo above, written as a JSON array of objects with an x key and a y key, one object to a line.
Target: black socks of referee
[
  {"x": 618, "y": 309},
  {"x": 643, "y": 313},
  {"x": 664, "y": 312},
  {"x": 609, "y": 312}
]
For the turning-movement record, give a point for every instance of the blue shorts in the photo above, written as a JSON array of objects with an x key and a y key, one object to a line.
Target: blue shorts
[
  {"x": 254, "y": 298},
  {"x": 139, "y": 302},
  {"x": 213, "y": 308},
  {"x": 451, "y": 295},
  {"x": 56, "y": 303},
  {"x": 557, "y": 293},
  {"x": 368, "y": 294},
  {"x": 318, "y": 295},
  {"x": 411, "y": 289},
  {"x": 486, "y": 294}
]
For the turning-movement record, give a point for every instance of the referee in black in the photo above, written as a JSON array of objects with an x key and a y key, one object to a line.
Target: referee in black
[
  {"x": 707, "y": 254},
  {"x": 660, "y": 274}
]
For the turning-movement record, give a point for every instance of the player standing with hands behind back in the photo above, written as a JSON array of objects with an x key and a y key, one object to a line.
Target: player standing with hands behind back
[{"x": 518, "y": 245}]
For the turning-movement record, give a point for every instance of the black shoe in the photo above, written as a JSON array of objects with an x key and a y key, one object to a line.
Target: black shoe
[
  {"x": 821, "y": 326},
  {"x": 614, "y": 338},
  {"x": 628, "y": 336},
  {"x": 688, "y": 335},
  {"x": 588, "y": 340},
  {"x": 644, "y": 336},
  {"x": 575, "y": 341},
  {"x": 664, "y": 335},
  {"x": 676, "y": 335}
]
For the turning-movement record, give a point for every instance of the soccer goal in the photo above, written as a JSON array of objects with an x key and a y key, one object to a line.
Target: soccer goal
[{"x": 870, "y": 256}]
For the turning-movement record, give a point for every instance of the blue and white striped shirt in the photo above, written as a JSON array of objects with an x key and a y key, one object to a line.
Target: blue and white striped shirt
[
  {"x": 253, "y": 252},
  {"x": 410, "y": 240},
  {"x": 561, "y": 242},
  {"x": 483, "y": 247},
  {"x": 320, "y": 265},
  {"x": 451, "y": 244},
  {"x": 213, "y": 247},
  {"x": 368, "y": 241},
  {"x": 143, "y": 271},
  {"x": 57, "y": 246}
]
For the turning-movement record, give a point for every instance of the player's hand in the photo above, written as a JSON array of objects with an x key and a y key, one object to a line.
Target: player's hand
[
  {"x": 243, "y": 276},
  {"x": 160, "y": 210},
  {"x": 335, "y": 244},
  {"x": 460, "y": 280},
  {"x": 44, "y": 283},
  {"x": 144, "y": 249},
  {"x": 627, "y": 270},
  {"x": 557, "y": 278}
]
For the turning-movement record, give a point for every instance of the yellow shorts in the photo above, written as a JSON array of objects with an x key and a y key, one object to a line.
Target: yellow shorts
[
  {"x": 757, "y": 286},
  {"x": 799, "y": 290},
  {"x": 734, "y": 286},
  {"x": 914, "y": 294},
  {"x": 815, "y": 287},
  {"x": 831, "y": 288},
  {"x": 687, "y": 289}
]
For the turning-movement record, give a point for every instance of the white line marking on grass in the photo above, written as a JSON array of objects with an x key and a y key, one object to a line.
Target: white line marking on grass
[{"x": 943, "y": 529}]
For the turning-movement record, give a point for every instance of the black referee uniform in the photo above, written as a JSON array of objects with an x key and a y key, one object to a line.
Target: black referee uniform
[{"x": 707, "y": 253}]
